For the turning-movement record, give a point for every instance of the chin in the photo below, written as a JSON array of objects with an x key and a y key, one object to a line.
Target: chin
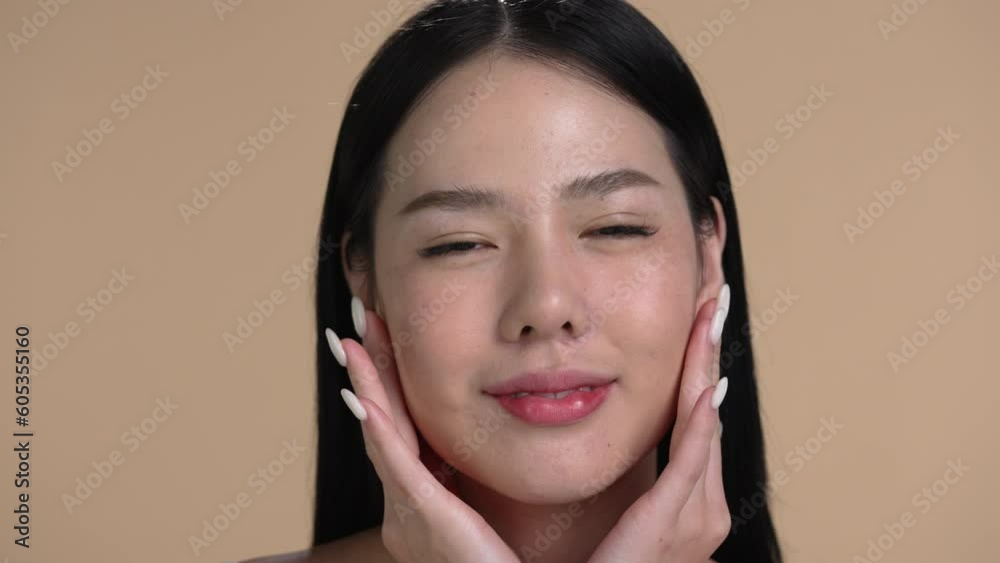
[{"x": 536, "y": 476}]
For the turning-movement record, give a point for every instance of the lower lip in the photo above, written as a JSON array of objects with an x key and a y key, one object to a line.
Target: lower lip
[{"x": 535, "y": 409}]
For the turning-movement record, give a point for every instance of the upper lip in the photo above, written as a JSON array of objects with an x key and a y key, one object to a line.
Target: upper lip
[{"x": 549, "y": 382}]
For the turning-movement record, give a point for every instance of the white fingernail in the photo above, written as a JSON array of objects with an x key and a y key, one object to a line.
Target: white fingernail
[
  {"x": 353, "y": 403},
  {"x": 720, "y": 392},
  {"x": 336, "y": 347},
  {"x": 358, "y": 314},
  {"x": 721, "y": 312}
]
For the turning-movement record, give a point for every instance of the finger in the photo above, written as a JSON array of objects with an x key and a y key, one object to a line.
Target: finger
[
  {"x": 712, "y": 480},
  {"x": 718, "y": 323},
  {"x": 378, "y": 344},
  {"x": 403, "y": 476},
  {"x": 361, "y": 371},
  {"x": 700, "y": 369},
  {"x": 688, "y": 463},
  {"x": 389, "y": 396}
]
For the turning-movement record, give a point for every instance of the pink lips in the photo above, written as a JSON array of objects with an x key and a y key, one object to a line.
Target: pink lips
[{"x": 546, "y": 410}]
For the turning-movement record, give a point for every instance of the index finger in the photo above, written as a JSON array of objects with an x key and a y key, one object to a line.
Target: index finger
[
  {"x": 378, "y": 343},
  {"x": 700, "y": 369},
  {"x": 361, "y": 370}
]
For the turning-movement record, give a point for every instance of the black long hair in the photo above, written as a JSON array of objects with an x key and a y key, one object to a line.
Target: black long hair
[{"x": 612, "y": 43}]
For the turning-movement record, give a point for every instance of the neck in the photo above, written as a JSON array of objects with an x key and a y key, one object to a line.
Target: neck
[{"x": 559, "y": 533}]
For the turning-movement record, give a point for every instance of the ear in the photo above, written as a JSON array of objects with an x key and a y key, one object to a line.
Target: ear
[
  {"x": 357, "y": 280},
  {"x": 712, "y": 276}
]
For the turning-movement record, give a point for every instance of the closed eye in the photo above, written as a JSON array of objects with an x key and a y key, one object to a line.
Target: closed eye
[
  {"x": 622, "y": 231},
  {"x": 611, "y": 232},
  {"x": 452, "y": 247}
]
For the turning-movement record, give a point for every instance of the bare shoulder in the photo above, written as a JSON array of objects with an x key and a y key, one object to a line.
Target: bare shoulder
[{"x": 362, "y": 546}]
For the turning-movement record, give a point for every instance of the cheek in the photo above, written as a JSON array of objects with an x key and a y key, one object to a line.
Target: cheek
[
  {"x": 652, "y": 337},
  {"x": 434, "y": 327}
]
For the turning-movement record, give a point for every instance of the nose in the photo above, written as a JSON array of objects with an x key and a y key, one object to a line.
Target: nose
[{"x": 546, "y": 298}]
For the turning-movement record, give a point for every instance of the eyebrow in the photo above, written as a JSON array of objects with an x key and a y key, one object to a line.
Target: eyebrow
[{"x": 475, "y": 197}]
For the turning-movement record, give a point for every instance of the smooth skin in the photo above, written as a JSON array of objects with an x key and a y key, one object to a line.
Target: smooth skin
[
  {"x": 526, "y": 289},
  {"x": 683, "y": 518}
]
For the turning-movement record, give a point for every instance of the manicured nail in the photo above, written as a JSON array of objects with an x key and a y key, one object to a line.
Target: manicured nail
[
  {"x": 336, "y": 347},
  {"x": 720, "y": 392},
  {"x": 721, "y": 312},
  {"x": 358, "y": 314},
  {"x": 353, "y": 403}
]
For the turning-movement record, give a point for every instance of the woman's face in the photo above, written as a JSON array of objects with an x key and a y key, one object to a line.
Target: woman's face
[{"x": 544, "y": 283}]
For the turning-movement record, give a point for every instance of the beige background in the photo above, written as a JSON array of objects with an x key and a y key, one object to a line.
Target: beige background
[{"x": 162, "y": 336}]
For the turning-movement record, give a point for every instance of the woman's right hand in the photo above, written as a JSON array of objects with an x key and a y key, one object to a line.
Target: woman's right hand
[{"x": 423, "y": 521}]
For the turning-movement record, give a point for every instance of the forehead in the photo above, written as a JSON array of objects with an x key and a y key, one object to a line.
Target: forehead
[{"x": 519, "y": 125}]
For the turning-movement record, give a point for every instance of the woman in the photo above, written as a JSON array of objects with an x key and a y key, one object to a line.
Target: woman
[{"x": 540, "y": 265}]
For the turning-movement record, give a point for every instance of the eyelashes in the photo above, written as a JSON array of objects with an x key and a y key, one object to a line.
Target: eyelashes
[
  {"x": 624, "y": 231},
  {"x": 610, "y": 232},
  {"x": 450, "y": 248}
]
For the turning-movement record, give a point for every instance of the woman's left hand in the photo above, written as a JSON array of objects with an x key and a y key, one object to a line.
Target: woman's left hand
[{"x": 684, "y": 517}]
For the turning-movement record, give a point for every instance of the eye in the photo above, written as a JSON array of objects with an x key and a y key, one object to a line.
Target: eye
[
  {"x": 626, "y": 231},
  {"x": 452, "y": 247},
  {"x": 612, "y": 232}
]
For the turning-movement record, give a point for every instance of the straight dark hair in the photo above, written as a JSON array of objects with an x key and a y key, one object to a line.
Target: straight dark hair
[{"x": 614, "y": 45}]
